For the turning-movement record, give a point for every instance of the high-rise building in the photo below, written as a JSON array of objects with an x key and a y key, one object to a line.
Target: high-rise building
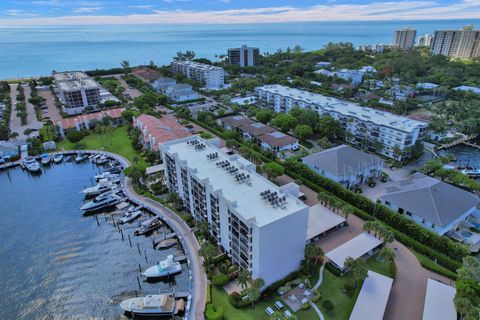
[
  {"x": 425, "y": 40},
  {"x": 244, "y": 56},
  {"x": 77, "y": 91},
  {"x": 208, "y": 75},
  {"x": 463, "y": 44},
  {"x": 261, "y": 226},
  {"x": 365, "y": 125},
  {"x": 405, "y": 38}
]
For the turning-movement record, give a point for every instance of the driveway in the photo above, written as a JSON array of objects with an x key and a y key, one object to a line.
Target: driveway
[{"x": 134, "y": 93}]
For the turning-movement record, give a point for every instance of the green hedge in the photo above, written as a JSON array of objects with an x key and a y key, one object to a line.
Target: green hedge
[
  {"x": 219, "y": 280},
  {"x": 411, "y": 229},
  {"x": 235, "y": 299},
  {"x": 333, "y": 270},
  {"x": 272, "y": 289},
  {"x": 214, "y": 312}
]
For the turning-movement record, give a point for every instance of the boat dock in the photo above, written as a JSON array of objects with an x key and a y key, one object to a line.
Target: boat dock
[{"x": 464, "y": 141}]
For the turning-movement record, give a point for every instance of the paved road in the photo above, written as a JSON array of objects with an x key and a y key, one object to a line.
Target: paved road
[
  {"x": 407, "y": 296},
  {"x": 189, "y": 242},
  {"x": 134, "y": 93},
  {"x": 15, "y": 122},
  {"x": 52, "y": 111}
]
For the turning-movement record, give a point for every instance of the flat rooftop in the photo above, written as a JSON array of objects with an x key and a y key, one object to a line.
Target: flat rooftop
[
  {"x": 355, "y": 248},
  {"x": 346, "y": 108},
  {"x": 373, "y": 297},
  {"x": 245, "y": 198},
  {"x": 198, "y": 65},
  {"x": 73, "y": 81},
  {"x": 439, "y": 302},
  {"x": 320, "y": 220}
]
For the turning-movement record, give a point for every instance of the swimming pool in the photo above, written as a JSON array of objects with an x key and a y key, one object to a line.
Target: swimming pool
[{"x": 466, "y": 234}]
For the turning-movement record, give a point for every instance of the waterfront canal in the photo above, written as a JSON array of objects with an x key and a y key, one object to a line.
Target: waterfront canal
[{"x": 58, "y": 264}]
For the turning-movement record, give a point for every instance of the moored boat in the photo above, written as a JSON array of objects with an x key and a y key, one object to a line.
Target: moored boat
[
  {"x": 148, "y": 226},
  {"x": 102, "y": 201},
  {"x": 80, "y": 157},
  {"x": 164, "y": 268},
  {"x": 45, "y": 159},
  {"x": 58, "y": 158},
  {"x": 104, "y": 185},
  {"x": 31, "y": 164},
  {"x": 130, "y": 216},
  {"x": 106, "y": 175},
  {"x": 167, "y": 243},
  {"x": 158, "y": 305}
]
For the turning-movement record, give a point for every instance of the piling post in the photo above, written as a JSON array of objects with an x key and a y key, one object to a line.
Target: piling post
[
  {"x": 130, "y": 241},
  {"x": 145, "y": 254},
  {"x": 138, "y": 247},
  {"x": 96, "y": 219},
  {"x": 139, "y": 286},
  {"x": 121, "y": 232},
  {"x": 140, "y": 268}
]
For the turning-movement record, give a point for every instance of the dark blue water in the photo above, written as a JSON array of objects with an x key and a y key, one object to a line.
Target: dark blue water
[
  {"x": 35, "y": 51},
  {"x": 58, "y": 264}
]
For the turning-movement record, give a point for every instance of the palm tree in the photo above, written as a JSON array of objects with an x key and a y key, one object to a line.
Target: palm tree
[
  {"x": 357, "y": 267},
  {"x": 387, "y": 255},
  {"x": 207, "y": 251},
  {"x": 276, "y": 315},
  {"x": 312, "y": 252},
  {"x": 126, "y": 66},
  {"x": 368, "y": 226},
  {"x": 243, "y": 278},
  {"x": 13, "y": 136},
  {"x": 258, "y": 283},
  {"x": 253, "y": 294}
]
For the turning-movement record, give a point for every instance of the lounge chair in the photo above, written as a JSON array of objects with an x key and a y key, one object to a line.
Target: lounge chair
[
  {"x": 287, "y": 314},
  {"x": 269, "y": 311},
  {"x": 278, "y": 304}
]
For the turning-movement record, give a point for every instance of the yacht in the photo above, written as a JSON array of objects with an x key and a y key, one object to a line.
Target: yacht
[
  {"x": 167, "y": 243},
  {"x": 102, "y": 201},
  {"x": 45, "y": 159},
  {"x": 130, "y": 216},
  {"x": 58, "y": 158},
  {"x": 101, "y": 160},
  {"x": 102, "y": 186},
  {"x": 80, "y": 157},
  {"x": 153, "y": 305},
  {"x": 106, "y": 175},
  {"x": 471, "y": 172},
  {"x": 164, "y": 268},
  {"x": 148, "y": 226},
  {"x": 31, "y": 164}
]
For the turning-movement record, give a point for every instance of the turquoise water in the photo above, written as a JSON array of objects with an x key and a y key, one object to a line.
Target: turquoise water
[
  {"x": 58, "y": 264},
  {"x": 35, "y": 51}
]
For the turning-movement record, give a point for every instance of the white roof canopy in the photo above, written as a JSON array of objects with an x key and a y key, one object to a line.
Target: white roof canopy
[
  {"x": 355, "y": 248},
  {"x": 439, "y": 302}
]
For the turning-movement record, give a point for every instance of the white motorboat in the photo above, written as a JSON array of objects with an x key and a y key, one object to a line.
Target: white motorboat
[
  {"x": 45, "y": 159},
  {"x": 153, "y": 305},
  {"x": 102, "y": 201},
  {"x": 130, "y": 216},
  {"x": 101, "y": 160},
  {"x": 148, "y": 226},
  {"x": 80, "y": 157},
  {"x": 164, "y": 268},
  {"x": 104, "y": 185},
  {"x": 31, "y": 164},
  {"x": 106, "y": 175},
  {"x": 58, "y": 158}
]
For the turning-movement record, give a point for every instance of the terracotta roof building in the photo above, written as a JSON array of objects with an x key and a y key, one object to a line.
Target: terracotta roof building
[
  {"x": 85, "y": 121},
  {"x": 157, "y": 131}
]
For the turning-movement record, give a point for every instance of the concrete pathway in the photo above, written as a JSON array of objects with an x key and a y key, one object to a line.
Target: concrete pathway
[
  {"x": 319, "y": 313},
  {"x": 320, "y": 278}
]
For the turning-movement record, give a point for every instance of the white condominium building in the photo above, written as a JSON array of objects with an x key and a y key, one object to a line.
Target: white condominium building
[
  {"x": 244, "y": 56},
  {"x": 463, "y": 44},
  {"x": 260, "y": 226},
  {"x": 77, "y": 91},
  {"x": 425, "y": 40},
  {"x": 405, "y": 38},
  {"x": 210, "y": 76},
  {"x": 365, "y": 125}
]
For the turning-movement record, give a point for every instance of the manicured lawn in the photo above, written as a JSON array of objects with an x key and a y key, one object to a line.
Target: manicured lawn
[
  {"x": 220, "y": 298},
  {"x": 379, "y": 267},
  {"x": 429, "y": 264},
  {"x": 116, "y": 141},
  {"x": 332, "y": 289}
]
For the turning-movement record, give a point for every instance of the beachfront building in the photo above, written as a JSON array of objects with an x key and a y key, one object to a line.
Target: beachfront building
[
  {"x": 77, "y": 91},
  {"x": 161, "y": 84},
  {"x": 433, "y": 204},
  {"x": 156, "y": 131},
  {"x": 425, "y": 40},
  {"x": 364, "y": 125},
  {"x": 181, "y": 93},
  {"x": 463, "y": 44},
  {"x": 405, "y": 38},
  {"x": 208, "y": 75},
  {"x": 89, "y": 120},
  {"x": 278, "y": 142},
  {"x": 244, "y": 56},
  {"x": 262, "y": 228},
  {"x": 345, "y": 165}
]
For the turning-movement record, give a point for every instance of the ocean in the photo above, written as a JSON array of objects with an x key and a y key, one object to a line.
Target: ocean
[
  {"x": 36, "y": 51},
  {"x": 59, "y": 264}
]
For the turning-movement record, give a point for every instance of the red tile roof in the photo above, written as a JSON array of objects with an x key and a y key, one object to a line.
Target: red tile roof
[
  {"x": 68, "y": 123},
  {"x": 164, "y": 129}
]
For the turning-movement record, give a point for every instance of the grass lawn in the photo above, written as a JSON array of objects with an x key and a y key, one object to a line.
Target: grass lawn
[
  {"x": 332, "y": 289},
  {"x": 220, "y": 298},
  {"x": 117, "y": 141},
  {"x": 429, "y": 264},
  {"x": 378, "y": 266}
]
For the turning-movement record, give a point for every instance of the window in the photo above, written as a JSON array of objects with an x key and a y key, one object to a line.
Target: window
[
  {"x": 387, "y": 203},
  {"x": 400, "y": 210}
]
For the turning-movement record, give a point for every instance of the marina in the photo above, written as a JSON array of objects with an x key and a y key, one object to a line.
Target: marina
[{"x": 84, "y": 266}]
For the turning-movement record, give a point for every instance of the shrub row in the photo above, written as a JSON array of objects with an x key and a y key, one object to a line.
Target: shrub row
[
  {"x": 221, "y": 279},
  {"x": 442, "y": 244},
  {"x": 272, "y": 289},
  {"x": 235, "y": 299},
  {"x": 333, "y": 270},
  {"x": 214, "y": 312}
]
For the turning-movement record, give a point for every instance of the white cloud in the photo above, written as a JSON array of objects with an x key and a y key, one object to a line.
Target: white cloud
[
  {"x": 87, "y": 9},
  {"x": 392, "y": 10}
]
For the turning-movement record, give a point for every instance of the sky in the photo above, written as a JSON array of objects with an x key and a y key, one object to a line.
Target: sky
[{"x": 87, "y": 12}]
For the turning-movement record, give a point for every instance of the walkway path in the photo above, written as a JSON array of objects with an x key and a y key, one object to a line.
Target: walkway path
[
  {"x": 198, "y": 279},
  {"x": 320, "y": 314},
  {"x": 320, "y": 278}
]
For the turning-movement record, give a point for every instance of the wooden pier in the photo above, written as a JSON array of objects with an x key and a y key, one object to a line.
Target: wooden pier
[{"x": 464, "y": 141}]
